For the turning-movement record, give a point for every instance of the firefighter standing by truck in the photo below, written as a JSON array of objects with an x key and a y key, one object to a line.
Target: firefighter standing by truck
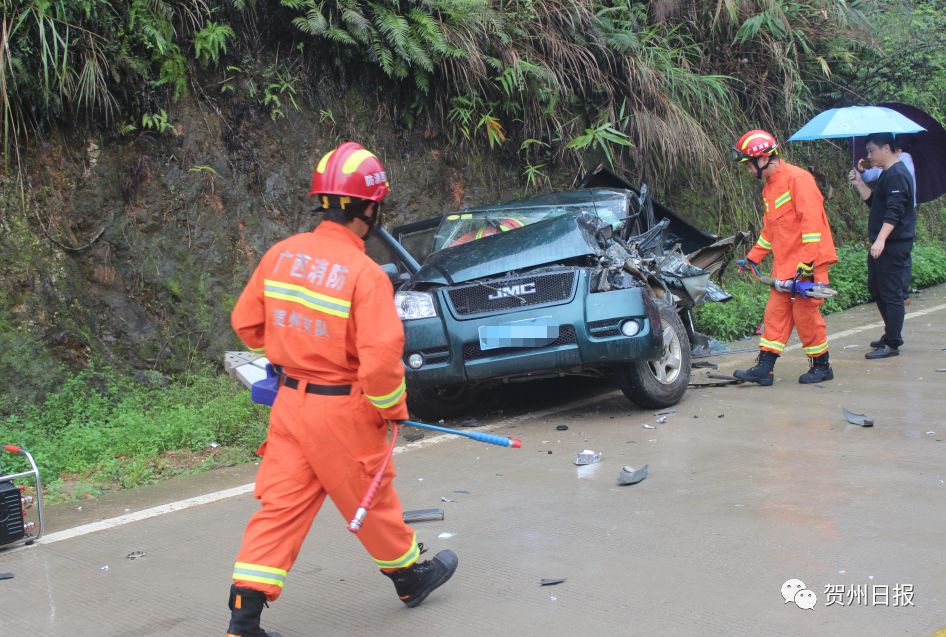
[
  {"x": 796, "y": 231},
  {"x": 324, "y": 313}
]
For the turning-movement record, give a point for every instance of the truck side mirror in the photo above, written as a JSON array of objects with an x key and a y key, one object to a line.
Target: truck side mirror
[{"x": 394, "y": 274}]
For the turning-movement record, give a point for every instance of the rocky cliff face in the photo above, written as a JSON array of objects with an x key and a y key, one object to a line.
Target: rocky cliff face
[{"x": 132, "y": 249}]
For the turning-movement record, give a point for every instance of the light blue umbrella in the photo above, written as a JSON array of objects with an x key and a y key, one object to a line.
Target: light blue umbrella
[{"x": 856, "y": 121}]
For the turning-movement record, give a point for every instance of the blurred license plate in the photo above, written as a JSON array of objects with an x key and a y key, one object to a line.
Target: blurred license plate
[{"x": 536, "y": 332}]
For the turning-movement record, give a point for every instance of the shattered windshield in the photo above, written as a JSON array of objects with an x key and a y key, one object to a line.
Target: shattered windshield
[{"x": 459, "y": 228}]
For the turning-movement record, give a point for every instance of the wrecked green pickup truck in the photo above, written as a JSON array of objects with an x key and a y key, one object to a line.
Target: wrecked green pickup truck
[{"x": 597, "y": 281}]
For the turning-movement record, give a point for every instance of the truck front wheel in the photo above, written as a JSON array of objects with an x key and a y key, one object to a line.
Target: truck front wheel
[{"x": 662, "y": 382}]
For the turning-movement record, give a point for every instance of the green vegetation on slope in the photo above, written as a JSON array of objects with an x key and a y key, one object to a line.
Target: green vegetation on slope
[{"x": 102, "y": 431}]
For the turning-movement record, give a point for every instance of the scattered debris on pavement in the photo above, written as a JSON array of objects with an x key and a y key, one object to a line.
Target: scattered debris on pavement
[
  {"x": 446, "y": 536},
  {"x": 704, "y": 365},
  {"x": 423, "y": 515},
  {"x": 134, "y": 555},
  {"x": 854, "y": 346},
  {"x": 444, "y": 498},
  {"x": 860, "y": 420},
  {"x": 587, "y": 457},
  {"x": 562, "y": 428},
  {"x": 466, "y": 492},
  {"x": 646, "y": 426},
  {"x": 551, "y": 582},
  {"x": 630, "y": 475},
  {"x": 661, "y": 420},
  {"x": 413, "y": 436},
  {"x": 10, "y": 576}
]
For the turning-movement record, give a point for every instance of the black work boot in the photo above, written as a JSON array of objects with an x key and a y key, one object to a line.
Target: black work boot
[
  {"x": 246, "y": 605},
  {"x": 761, "y": 372},
  {"x": 819, "y": 370},
  {"x": 414, "y": 583}
]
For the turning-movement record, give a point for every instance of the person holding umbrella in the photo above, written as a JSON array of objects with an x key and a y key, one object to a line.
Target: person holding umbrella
[
  {"x": 795, "y": 230},
  {"x": 891, "y": 229},
  {"x": 871, "y": 174}
]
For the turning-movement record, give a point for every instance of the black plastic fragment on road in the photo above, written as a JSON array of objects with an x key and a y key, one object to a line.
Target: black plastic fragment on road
[
  {"x": 6, "y": 575},
  {"x": 562, "y": 428},
  {"x": 423, "y": 515},
  {"x": 704, "y": 365},
  {"x": 551, "y": 582},
  {"x": 413, "y": 436},
  {"x": 861, "y": 420}
]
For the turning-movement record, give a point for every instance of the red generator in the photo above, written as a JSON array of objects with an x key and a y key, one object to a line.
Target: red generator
[{"x": 15, "y": 502}]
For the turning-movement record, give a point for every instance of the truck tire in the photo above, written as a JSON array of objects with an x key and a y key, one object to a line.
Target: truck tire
[
  {"x": 439, "y": 402},
  {"x": 660, "y": 383}
]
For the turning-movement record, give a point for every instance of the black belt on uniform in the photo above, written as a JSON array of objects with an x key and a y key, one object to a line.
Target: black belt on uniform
[{"x": 312, "y": 388}]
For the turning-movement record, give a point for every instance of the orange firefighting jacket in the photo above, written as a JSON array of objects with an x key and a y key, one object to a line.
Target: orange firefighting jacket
[
  {"x": 795, "y": 228},
  {"x": 319, "y": 307}
]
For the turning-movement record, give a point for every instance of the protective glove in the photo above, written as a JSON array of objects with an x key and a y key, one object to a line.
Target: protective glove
[{"x": 805, "y": 270}]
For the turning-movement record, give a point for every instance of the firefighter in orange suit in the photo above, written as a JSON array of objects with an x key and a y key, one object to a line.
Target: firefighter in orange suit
[
  {"x": 796, "y": 231},
  {"x": 324, "y": 312}
]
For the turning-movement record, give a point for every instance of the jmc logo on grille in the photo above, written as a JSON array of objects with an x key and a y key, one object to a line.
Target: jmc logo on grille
[{"x": 513, "y": 291}]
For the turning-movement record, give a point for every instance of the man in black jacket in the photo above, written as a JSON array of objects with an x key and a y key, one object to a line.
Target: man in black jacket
[{"x": 891, "y": 228}]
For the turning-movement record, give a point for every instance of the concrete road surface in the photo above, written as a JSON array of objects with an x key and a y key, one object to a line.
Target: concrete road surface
[{"x": 749, "y": 487}]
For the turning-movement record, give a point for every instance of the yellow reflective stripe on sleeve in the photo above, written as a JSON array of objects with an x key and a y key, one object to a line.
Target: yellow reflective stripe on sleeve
[
  {"x": 816, "y": 350},
  {"x": 257, "y": 350},
  {"x": 811, "y": 237},
  {"x": 762, "y": 243},
  {"x": 784, "y": 199},
  {"x": 405, "y": 560},
  {"x": 778, "y": 347},
  {"x": 463, "y": 216},
  {"x": 306, "y": 297},
  {"x": 354, "y": 160},
  {"x": 383, "y": 402},
  {"x": 259, "y": 573}
]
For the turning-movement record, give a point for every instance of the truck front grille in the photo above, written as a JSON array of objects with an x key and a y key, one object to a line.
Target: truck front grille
[
  {"x": 472, "y": 351},
  {"x": 510, "y": 294}
]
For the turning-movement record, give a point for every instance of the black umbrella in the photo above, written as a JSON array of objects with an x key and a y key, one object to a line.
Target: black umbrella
[{"x": 928, "y": 150}]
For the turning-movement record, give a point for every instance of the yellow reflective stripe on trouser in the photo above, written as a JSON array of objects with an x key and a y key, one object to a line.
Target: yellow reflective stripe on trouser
[
  {"x": 811, "y": 237},
  {"x": 405, "y": 560},
  {"x": 383, "y": 402},
  {"x": 306, "y": 297},
  {"x": 762, "y": 243},
  {"x": 778, "y": 347},
  {"x": 258, "y": 573},
  {"x": 784, "y": 199},
  {"x": 816, "y": 350}
]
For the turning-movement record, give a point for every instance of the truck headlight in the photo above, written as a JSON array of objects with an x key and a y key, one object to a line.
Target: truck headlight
[{"x": 414, "y": 305}]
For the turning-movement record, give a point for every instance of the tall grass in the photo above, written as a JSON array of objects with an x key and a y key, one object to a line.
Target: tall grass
[{"x": 102, "y": 431}]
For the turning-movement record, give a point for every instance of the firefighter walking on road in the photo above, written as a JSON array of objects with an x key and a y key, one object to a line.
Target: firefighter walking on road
[
  {"x": 324, "y": 313},
  {"x": 795, "y": 231}
]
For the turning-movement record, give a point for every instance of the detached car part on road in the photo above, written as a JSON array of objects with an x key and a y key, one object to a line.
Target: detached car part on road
[{"x": 597, "y": 281}]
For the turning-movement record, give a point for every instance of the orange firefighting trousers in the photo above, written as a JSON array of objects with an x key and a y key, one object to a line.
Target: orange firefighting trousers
[
  {"x": 316, "y": 446},
  {"x": 782, "y": 313}
]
